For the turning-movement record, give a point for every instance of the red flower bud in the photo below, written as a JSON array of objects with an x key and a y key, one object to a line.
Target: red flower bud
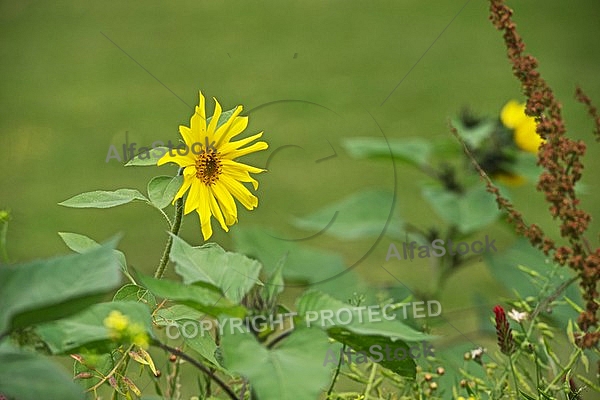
[{"x": 503, "y": 331}]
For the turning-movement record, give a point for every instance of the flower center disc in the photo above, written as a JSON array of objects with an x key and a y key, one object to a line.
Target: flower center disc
[{"x": 208, "y": 167}]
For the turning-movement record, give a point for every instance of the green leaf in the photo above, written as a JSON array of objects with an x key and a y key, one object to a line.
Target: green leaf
[
  {"x": 162, "y": 190},
  {"x": 303, "y": 263},
  {"x": 478, "y": 134},
  {"x": 525, "y": 165},
  {"x": 86, "y": 330},
  {"x": 132, "y": 292},
  {"x": 360, "y": 215},
  {"x": 188, "y": 324},
  {"x": 355, "y": 320},
  {"x": 103, "y": 199},
  {"x": 382, "y": 349},
  {"x": 235, "y": 274},
  {"x": 275, "y": 285},
  {"x": 78, "y": 243},
  {"x": 149, "y": 158},
  {"x": 28, "y": 376},
  {"x": 81, "y": 243},
  {"x": 294, "y": 370},
  {"x": 205, "y": 299},
  {"x": 361, "y": 328},
  {"x": 447, "y": 148},
  {"x": 204, "y": 345},
  {"x": 469, "y": 211},
  {"x": 177, "y": 312},
  {"x": 504, "y": 268},
  {"x": 49, "y": 289},
  {"x": 413, "y": 151}
]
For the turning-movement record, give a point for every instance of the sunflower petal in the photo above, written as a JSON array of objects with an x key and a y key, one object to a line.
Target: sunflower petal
[
  {"x": 238, "y": 172},
  {"x": 258, "y": 146},
  {"x": 238, "y": 125},
  {"x": 212, "y": 125},
  {"x": 204, "y": 212},
  {"x": 222, "y": 132},
  {"x": 193, "y": 200},
  {"x": 226, "y": 202},
  {"x": 216, "y": 210},
  {"x": 240, "y": 192},
  {"x": 186, "y": 134},
  {"x": 187, "y": 182},
  {"x": 231, "y": 146},
  {"x": 198, "y": 120},
  {"x": 174, "y": 157}
]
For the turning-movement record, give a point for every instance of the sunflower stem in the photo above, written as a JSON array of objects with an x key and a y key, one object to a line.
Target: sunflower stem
[{"x": 160, "y": 271}]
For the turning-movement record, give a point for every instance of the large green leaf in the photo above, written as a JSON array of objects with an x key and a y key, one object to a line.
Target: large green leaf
[
  {"x": 413, "y": 151},
  {"x": 361, "y": 328},
  {"x": 203, "y": 298},
  {"x": 162, "y": 189},
  {"x": 380, "y": 349},
  {"x": 360, "y": 215},
  {"x": 86, "y": 329},
  {"x": 305, "y": 265},
  {"x": 103, "y": 198},
  {"x": 29, "y": 376},
  {"x": 49, "y": 289},
  {"x": 358, "y": 320},
  {"x": 191, "y": 325},
  {"x": 235, "y": 274},
  {"x": 294, "y": 370},
  {"x": 177, "y": 312},
  {"x": 469, "y": 211},
  {"x": 132, "y": 292}
]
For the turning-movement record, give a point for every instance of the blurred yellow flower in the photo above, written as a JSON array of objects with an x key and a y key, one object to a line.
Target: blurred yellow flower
[
  {"x": 121, "y": 328},
  {"x": 525, "y": 136},
  {"x": 462, "y": 398},
  {"x": 139, "y": 336},
  {"x": 116, "y": 322},
  {"x": 210, "y": 173}
]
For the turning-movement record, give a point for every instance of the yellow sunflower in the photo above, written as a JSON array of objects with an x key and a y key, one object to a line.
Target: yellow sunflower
[
  {"x": 525, "y": 136},
  {"x": 210, "y": 171}
]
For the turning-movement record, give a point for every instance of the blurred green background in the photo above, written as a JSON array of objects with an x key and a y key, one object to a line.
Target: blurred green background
[{"x": 77, "y": 77}]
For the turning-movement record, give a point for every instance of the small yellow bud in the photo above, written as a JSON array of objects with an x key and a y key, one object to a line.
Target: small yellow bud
[{"x": 116, "y": 321}]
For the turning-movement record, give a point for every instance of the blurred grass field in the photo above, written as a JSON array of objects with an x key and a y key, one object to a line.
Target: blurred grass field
[{"x": 78, "y": 77}]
